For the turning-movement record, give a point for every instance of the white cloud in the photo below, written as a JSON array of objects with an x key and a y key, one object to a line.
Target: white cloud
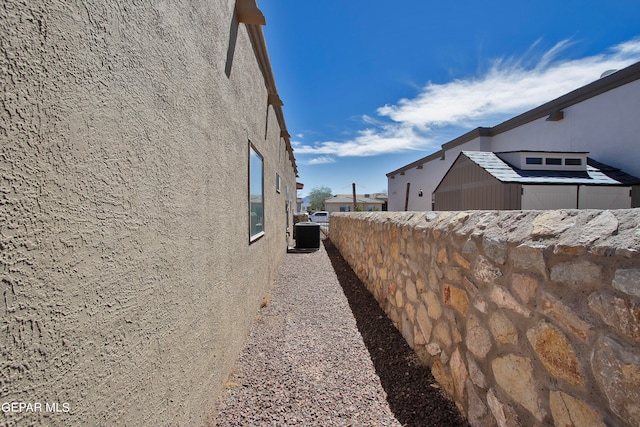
[
  {"x": 388, "y": 138},
  {"x": 509, "y": 87},
  {"x": 322, "y": 160},
  {"x": 630, "y": 48}
]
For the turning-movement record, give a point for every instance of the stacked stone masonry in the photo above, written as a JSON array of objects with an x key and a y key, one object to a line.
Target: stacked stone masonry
[{"x": 527, "y": 318}]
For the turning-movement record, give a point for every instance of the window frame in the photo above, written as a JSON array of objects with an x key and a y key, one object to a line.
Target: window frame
[{"x": 256, "y": 163}]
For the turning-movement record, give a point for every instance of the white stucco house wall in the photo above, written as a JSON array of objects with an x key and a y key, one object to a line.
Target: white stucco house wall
[{"x": 601, "y": 119}]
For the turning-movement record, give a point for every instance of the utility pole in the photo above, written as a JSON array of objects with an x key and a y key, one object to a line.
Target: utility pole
[
  {"x": 355, "y": 202},
  {"x": 406, "y": 198}
]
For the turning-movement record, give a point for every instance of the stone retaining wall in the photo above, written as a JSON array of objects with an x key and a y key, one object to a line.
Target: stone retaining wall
[{"x": 526, "y": 317}]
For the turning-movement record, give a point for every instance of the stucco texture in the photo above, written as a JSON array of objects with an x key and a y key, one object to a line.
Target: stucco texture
[{"x": 127, "y": 276}]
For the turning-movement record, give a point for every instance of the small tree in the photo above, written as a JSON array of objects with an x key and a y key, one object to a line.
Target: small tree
[{"x": 317, "y": 196}]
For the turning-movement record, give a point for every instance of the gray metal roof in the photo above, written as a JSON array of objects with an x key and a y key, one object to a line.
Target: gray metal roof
[{"x": 596, "y": 173}]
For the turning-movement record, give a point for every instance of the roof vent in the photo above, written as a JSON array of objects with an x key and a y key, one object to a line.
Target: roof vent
[{"x": 607, "y": 73}]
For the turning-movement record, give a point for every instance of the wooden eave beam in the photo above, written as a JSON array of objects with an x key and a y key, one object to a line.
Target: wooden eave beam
[
  {"x": 248, "y": 13},
  {"x": 275, "y": 100}
]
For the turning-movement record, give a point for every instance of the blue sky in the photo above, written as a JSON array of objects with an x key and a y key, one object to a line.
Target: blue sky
[{"x": 370, "y": 86}]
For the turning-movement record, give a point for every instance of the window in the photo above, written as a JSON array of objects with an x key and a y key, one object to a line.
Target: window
[
  {"x": 573, "y": 162},
  {"x": 256, "y": 196},
  {"x": 553, "y": 161},
  {"x": 278, "y": 182},
  {"x": 534, "y": 160}
]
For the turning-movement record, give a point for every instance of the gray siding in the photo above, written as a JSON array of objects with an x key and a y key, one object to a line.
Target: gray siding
[
  {"x": 635, "y": 196},
  {"x": 467, "y": 186}
]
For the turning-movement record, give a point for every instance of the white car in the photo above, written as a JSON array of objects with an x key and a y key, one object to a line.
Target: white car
[{"x": 320, "y": 216}]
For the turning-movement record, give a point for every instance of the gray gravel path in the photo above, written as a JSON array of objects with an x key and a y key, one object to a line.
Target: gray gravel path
[{"x": 306, "y": 363}]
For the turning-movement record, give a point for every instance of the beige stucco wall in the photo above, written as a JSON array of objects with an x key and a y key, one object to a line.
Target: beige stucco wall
[
  {"x": 128, "y": 282},
  {"x": 526, "y": 318}
]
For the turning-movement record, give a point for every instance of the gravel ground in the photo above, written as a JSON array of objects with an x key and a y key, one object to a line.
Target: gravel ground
[{"x": 322, "y": 353}]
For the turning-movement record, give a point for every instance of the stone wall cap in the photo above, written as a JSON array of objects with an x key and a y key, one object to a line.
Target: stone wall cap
[{"x": 568, "y": 231}]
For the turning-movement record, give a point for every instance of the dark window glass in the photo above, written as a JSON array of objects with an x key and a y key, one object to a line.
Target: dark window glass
[
  {"x": 553, "y": 161},
  {"x": 573, "y": 162},
  {"x": 534, "y": 160}
]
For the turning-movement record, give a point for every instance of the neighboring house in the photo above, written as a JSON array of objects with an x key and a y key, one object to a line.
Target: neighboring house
[
  {"x": 532, "y": 180},
  {"x": 600, "y": 119},
  {"x": 300, "y": 205},
  {"x": 364, "y": 202},
  {"x": 299, "y": 200},
  {"x": 148, "y": 184}
]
